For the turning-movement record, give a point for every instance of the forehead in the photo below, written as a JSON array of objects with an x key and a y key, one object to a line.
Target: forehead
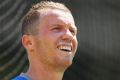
[{"x": 56, "y": 16}]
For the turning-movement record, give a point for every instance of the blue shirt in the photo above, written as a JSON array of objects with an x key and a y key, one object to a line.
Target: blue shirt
[{"x": 22, "y": 76}]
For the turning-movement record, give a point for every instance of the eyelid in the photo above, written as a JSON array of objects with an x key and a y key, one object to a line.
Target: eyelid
[
  {"x": 56, "y": 27},
  {"x": 74, "y": 31}
]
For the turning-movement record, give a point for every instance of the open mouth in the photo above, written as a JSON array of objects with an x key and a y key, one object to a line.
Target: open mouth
[{"x": 65, "y": 48}]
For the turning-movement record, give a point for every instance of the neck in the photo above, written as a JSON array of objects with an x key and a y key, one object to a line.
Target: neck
[{"x": 39, "y": 71}]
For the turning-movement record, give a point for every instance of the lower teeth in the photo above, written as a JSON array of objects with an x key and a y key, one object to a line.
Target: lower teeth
[{"x": 65, "y": 50}]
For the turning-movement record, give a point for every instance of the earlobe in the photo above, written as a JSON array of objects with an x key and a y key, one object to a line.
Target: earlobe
[{"x": 26, "y": 41}]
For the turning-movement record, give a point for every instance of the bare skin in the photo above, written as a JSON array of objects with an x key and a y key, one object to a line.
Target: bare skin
[{"x": 52, "y": 49}]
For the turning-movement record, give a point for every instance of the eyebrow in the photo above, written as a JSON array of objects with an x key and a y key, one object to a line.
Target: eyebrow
[{"x": 73, "y": 27}]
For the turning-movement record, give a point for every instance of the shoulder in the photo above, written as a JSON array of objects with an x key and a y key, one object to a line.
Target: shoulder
[
  {"x": 19, "y": 78},
  {"x": 22, "y": 76}
]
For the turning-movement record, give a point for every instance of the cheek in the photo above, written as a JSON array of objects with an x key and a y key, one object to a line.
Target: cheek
[
  {"x": 47, "y": 39},
  {"x": 37, "y": 44},
  {"x": 46, "y": 42},
  {"x": 75, "y": 42}
]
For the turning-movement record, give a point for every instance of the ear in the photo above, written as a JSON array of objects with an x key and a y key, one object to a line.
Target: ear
[{"x": 27, "y": 42}]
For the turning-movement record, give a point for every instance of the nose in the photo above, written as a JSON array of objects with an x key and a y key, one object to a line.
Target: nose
[{"x": 67, "y": 35}]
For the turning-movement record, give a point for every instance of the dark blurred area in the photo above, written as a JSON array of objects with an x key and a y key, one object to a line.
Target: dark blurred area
[{"x": 98, "y": 54}]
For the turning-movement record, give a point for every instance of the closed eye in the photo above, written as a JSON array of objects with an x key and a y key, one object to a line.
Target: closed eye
[
  {"x": 73, "y": 31},
  {"x": 56, "y": 28}
]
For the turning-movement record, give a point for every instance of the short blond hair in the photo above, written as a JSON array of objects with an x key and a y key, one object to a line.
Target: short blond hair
[{"x": 33, "y": 15}]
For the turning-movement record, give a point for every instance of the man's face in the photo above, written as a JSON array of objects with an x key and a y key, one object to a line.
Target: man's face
[{"x": 55, "y": 43}]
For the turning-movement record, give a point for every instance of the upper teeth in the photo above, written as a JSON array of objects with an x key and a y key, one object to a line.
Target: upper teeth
[
  {"x": 67, "y": 48},
  {"x": 65, "y": 43}
]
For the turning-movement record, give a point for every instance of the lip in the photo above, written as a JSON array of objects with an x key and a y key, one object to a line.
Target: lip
[{"x": 65, "y": 45}]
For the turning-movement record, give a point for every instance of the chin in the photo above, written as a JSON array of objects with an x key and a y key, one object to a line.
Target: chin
[
  {"x": 64, "y": 60},
  {"x": 66, "y": 63}
]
